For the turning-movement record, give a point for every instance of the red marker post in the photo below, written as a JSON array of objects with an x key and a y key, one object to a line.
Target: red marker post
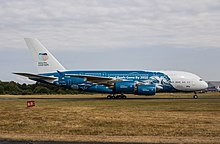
[{"x": 30, "y": 103}]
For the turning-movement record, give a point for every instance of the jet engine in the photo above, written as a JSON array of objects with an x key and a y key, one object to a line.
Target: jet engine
[
  {"x": 130, "y": 87},
  {"x": 149, "y": 89},
  {"x": 124, "y": 87}
]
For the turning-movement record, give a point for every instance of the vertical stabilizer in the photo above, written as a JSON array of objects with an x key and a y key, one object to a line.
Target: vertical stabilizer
[{"x": 44, "y": 60}]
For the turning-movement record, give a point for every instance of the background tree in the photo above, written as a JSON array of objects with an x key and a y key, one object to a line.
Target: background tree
[
  {"x": 14, "y": 88},
  {"x": 2, "y": 91}
]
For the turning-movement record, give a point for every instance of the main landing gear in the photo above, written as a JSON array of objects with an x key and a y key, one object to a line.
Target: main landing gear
[
  {"x": 112, "y": 96},
  {"x": 195, "y": 96}
]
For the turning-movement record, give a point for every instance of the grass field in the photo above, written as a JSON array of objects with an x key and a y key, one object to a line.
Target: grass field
[{"x": 165, "y": 118}]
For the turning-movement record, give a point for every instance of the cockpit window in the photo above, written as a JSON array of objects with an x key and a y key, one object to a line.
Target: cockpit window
[{"x": 200, "y": 79}]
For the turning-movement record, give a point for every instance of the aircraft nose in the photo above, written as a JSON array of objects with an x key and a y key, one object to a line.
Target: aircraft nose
[{"x": 205, "y": 85}]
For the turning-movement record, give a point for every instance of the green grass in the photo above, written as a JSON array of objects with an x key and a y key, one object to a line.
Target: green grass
[{"x": 132, "y": 117}]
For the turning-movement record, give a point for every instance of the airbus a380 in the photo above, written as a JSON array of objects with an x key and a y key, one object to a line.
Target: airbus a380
[{"x": 114, "y": 83}]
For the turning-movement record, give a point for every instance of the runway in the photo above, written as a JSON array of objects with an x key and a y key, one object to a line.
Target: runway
[
  {"x": 7, "y": 141},
  {"x": 98, "y": 98}
]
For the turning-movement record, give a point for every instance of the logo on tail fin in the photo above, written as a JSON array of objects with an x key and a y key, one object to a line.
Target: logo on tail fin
[{"x": 43, "y": 56}]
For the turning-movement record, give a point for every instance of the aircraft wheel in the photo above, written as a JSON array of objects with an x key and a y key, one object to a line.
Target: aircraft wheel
[
  {"x": 195, "y": 97},
  {"x": 109, "y": 97},
  {"x": 124, "y": 97},
  {"x": 118, "y": 97}
]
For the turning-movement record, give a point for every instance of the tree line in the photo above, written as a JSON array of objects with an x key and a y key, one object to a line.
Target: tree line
[{"x": 13, "y": 88}]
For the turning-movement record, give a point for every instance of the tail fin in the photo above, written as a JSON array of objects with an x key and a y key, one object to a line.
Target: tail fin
[{"x": 44, "y": 60}]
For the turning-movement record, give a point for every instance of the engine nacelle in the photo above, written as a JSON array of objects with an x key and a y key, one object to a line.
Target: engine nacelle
[
  {"x": 130, "y": 87},
  {"x": 124, "y": 87},
  {"x": 149, "y": 89}
]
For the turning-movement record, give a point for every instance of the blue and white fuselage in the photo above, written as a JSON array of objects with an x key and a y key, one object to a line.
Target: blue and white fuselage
[
  {"x": 164, "y": 81},
  {"x": 139, "y": 82}
]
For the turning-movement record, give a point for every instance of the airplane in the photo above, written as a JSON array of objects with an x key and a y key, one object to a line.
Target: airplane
[{"x": 111, "y": 82}]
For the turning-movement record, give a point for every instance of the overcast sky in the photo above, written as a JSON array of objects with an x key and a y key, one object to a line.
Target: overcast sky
[{"x": 113, "y": 34}]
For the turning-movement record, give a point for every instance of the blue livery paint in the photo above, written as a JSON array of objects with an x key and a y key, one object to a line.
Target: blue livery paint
[
  {"x": 128, "y": 80},
  {"x": 125, "y": 87},
  {"x": 146, "y": 89}
]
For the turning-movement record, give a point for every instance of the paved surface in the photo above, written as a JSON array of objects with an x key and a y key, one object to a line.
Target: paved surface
[
  {"x": 80, "y": 99},
  {"x": 7, "y": 141}
]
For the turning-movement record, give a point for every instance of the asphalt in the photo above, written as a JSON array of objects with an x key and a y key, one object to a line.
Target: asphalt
[
  {"x": 8, "y": 141},
  {"x": 86, "y": 99}
]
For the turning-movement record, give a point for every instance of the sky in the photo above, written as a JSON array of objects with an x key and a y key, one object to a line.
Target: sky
[{"x": 113, "y": 34}]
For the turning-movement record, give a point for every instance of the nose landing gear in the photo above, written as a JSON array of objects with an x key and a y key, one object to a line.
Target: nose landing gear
[{"x": 195, "y": 96}]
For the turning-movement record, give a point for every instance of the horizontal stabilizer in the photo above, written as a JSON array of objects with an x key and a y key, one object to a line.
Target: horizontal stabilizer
[{"x": 34, "y": 76}]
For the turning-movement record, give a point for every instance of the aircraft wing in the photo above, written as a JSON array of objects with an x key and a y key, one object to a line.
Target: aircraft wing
[
  {"x": 37, "y": 77},
  {"x": 96, "y": 79}
]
